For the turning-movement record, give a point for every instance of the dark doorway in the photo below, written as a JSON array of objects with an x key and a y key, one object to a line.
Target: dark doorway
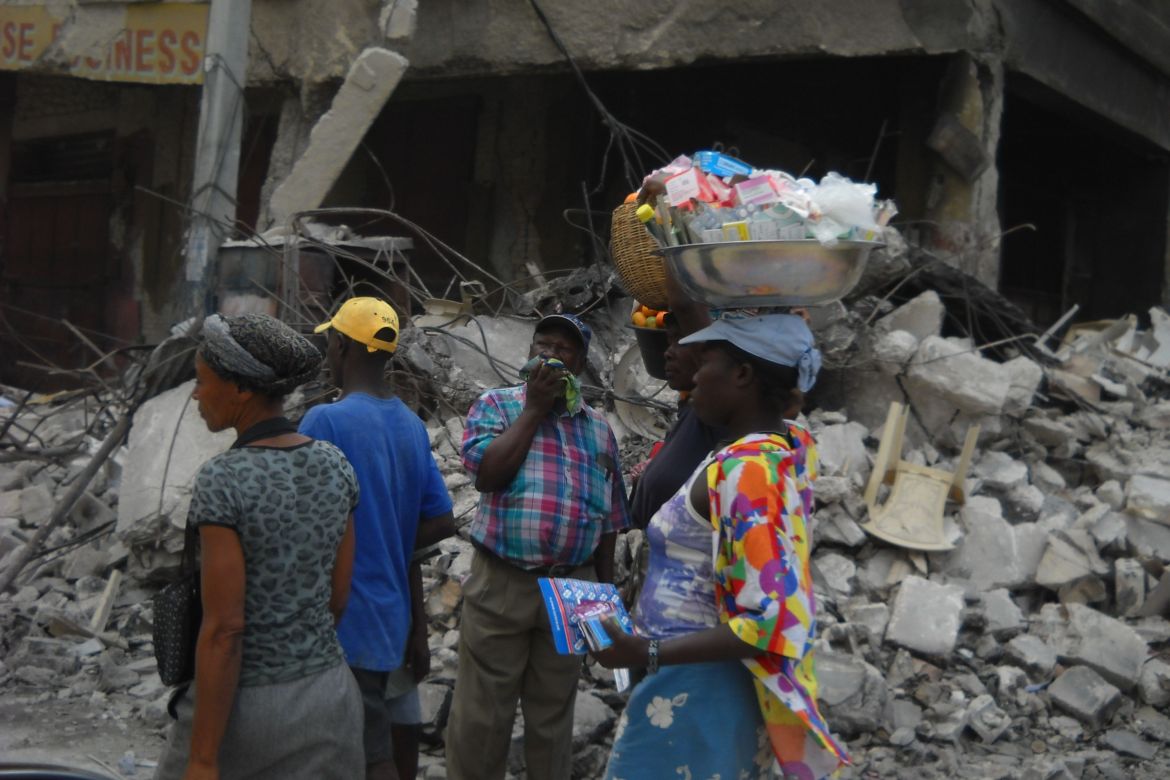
[
  {"x": 57, "y": 264},
  {"x": 1097, "y": 196}
]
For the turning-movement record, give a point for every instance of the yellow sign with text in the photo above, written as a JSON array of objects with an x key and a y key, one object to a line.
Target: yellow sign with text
[{"x": 155, "y": 43}]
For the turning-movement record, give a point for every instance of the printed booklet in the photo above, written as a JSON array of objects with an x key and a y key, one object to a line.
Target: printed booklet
[{"x": 576, "y": 611}]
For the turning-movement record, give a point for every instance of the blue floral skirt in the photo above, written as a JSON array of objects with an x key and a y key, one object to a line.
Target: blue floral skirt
[{"x": 692, "y": 722}]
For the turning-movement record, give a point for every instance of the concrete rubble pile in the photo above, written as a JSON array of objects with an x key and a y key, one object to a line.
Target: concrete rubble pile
[{"x": 1022, "y": 652}]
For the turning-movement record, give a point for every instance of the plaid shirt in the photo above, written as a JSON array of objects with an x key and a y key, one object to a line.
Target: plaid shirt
[{"x": 567, "y": 493}]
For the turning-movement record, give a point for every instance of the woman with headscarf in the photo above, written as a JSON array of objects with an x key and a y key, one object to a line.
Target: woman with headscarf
[
  {"x": 726, "y": 620},
  {"x": 276, "y": 550}
]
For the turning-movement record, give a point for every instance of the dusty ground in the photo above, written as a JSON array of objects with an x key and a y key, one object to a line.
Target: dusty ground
[{"x": 73, "y": 732}]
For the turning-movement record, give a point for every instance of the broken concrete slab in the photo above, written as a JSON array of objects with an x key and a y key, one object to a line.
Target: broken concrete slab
[
  {"x": 10, "y": 503},
  {"x": 1154, "y": 683},
  {"x": 372, "y": 77},
  {"x": 169, "y": 443},
  {"x": 852, "y": 691},
  {"x": 1128, "y": 744},
  {"x": 873, "y": 617},
  {"x": 921, "y": 316},
  {"x": 1108, "y": 530},
  {"x": 1032, "y": 654},
  {"x": 1049, "y": 432},
  {"x": 36, "y": 505},
  {"x": 926, "y": 617},
  {"x": 986, "y": 719},
  {"x": 590, "y": 716},
  {"x": 1087, "y": 590},
  {"x": 1156, "y": 416},
  {"x": 1147, "y": 538},
  {"x": 884, "y": 569},
  {"x": 1082, "y": 635},
  {"x": 1004, "y": 617},
  {"x": 1047, "y": 478},
  {"x": 85, "y": 561},
  {"x": 1148, "y": 497},
  {"x": 1024, "y": 378},
  {"x": 960, "y": 376},
  {"x": 989, "y": 556},
  {"x": 1112, "y": 493},
  {"x": 893, "y": 351},
  {"x": 832, "y": 490},
  {"x": 838, "y": 572},
  {"x": 1129, "y": 586},
  {"x": 1070, "y": 556},
  {"x": 1001, "y": 472},
  {"x": 1024, "y": 502},
  {"x": 1153, "y": 724},
  {"x": 833, "y": 524},
  {"x": 842, "y": 449},
  {"x": 1085, "y": 695}
]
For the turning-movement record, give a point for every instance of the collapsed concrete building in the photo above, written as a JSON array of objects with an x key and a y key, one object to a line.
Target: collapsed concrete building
[
  {"x": 1041, "y": 119},
  {"x": 1021, "y": 653},
  {"x": 1022, "y": 646}
]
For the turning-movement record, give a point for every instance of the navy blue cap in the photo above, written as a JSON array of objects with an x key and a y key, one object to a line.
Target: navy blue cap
[{"x": 576, "y": 324}]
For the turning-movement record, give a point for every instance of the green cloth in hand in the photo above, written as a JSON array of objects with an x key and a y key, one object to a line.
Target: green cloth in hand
[{"x": 572, "y": 383}]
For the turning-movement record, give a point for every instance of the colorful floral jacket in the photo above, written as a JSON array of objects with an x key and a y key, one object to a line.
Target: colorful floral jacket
[{"x": 761, "y": 500}]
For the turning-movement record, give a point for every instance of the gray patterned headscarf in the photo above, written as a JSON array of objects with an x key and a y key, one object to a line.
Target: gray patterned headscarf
[{"x": 258, "y": 353}]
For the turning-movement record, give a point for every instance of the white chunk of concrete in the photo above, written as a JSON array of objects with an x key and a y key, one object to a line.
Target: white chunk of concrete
[
  {"x": 953, "y": 372},
  {"x": 1024, "y": 378},
  {"x": 169, "y": 442},
  {"x": 842, "y": 449},
  {"x": 926, "y": 617},
  {"x": 921, "y": 316},
  {"x": 893, "y": 350},
  {"x": 1149, "y": 497}
]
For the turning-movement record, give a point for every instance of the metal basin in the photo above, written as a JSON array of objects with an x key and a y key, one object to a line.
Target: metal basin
[{"x": 746, "y": 274}]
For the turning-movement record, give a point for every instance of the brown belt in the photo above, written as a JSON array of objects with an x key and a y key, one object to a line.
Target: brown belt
[{"x": 552, "y": 570}]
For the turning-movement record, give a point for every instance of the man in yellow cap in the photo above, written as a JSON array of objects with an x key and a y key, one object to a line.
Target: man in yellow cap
[{"x": 404, "y": 506}]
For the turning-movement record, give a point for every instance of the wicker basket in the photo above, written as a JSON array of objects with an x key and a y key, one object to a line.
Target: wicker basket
[{"x": 634, "y": 253}]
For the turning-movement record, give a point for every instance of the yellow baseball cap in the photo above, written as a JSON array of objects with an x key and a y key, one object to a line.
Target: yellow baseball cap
[{"x": 365, "y": 320}]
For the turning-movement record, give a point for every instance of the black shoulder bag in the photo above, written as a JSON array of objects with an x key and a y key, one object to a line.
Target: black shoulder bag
[
  {"x": 178, "y": 608},
  {"x": 178, "y": 613}
]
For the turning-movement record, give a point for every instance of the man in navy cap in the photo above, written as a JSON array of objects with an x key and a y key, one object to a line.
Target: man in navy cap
[{"x": 551, "y": 505}]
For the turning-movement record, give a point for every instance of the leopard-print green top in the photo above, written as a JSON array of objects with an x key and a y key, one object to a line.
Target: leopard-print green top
[{"x": 289, "y": 507}]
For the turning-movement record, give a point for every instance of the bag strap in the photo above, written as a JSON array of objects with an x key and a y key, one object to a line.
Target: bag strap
[{"x": 190, "y": 548}]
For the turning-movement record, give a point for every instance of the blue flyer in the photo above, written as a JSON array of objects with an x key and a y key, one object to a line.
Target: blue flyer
[{"x": 576, "y": 610}]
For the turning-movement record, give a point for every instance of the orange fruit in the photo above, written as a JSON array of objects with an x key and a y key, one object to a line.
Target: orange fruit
[
  {"x": 639, "y": 319},
  {"x": 660, "y": 319}
]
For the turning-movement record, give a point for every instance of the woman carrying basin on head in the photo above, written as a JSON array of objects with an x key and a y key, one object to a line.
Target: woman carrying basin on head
[{"x": 726, "y": 620}]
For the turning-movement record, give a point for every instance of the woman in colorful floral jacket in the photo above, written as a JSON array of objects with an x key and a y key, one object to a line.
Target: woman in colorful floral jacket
[{"x": 726, "y": 620}]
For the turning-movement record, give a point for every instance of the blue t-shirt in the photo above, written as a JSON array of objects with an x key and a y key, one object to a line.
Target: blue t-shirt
[{"x": 400, "y": 485}]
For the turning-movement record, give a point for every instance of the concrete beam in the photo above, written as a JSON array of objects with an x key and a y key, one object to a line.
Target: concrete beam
[
  {"x": 371, "y": 80},
  {"x": 1142, "y": 26},
  {"x": 1065, "y": 51},
  {"x": 469, "y": 37}
]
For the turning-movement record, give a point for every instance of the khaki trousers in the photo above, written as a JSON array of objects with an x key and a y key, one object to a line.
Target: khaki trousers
[{"x": 506, "y": 654}]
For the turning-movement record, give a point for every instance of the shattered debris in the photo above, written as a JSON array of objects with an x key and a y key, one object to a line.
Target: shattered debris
[{"x": 1021, "y": 652}]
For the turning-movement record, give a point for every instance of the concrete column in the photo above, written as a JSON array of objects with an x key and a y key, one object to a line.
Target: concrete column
[{"x": 962, "y": 199}]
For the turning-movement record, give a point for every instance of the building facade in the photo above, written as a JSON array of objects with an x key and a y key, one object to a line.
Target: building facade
[{"x": 1025, "y": 141}]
